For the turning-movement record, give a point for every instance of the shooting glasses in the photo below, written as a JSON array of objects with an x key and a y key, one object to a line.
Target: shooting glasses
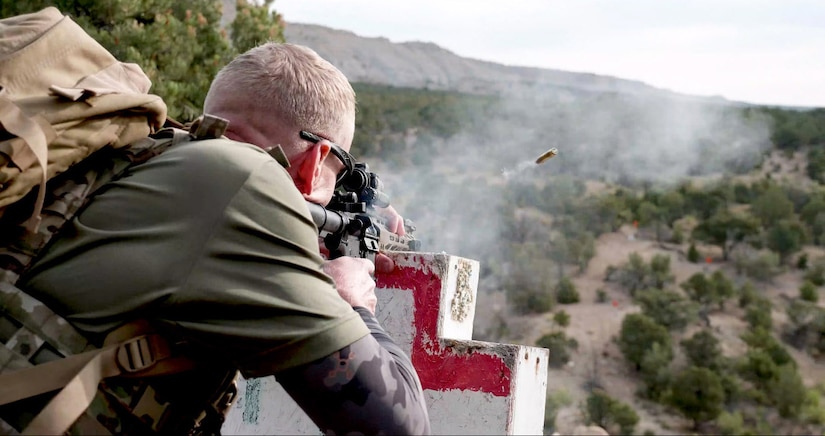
[{"x": 347, "y": 159}]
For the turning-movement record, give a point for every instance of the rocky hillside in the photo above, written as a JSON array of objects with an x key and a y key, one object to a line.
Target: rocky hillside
[{"x": 426, "y": 65}]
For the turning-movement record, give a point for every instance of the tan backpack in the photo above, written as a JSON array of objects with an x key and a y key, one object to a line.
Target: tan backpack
[
  {"x": 63, "y": 96},
  {"x": 75, "y": 117}
]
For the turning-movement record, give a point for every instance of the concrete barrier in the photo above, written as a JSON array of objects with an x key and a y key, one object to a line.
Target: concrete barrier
[{"x": 428, "y": 306}]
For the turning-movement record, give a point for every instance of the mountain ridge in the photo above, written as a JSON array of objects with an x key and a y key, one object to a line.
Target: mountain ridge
[{"x": 422, "y": 64}]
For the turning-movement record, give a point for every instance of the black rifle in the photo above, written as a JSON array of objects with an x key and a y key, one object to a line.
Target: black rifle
[{"x": 350, "y": 224}]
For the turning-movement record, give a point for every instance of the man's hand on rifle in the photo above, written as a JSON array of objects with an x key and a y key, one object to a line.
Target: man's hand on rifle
[
  {"x": 354, "y": 281},
  {"x": 395, "y": 222}
]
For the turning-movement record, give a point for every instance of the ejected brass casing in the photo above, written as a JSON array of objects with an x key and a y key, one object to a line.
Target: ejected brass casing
[{"x": 547, "y": 155}]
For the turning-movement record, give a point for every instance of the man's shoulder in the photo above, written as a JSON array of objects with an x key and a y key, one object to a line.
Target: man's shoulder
[
  {"x": 215, "y": 157},
  {"x": 223, "y": 150}
]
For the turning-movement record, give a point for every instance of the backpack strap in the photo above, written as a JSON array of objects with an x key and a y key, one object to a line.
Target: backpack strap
[
  {"x": 36, "y": 133},
  {"x": 143, "y": 354}
]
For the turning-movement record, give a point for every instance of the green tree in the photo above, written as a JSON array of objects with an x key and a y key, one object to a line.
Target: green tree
[
  {"x": 693, "y": 253},
  {"x": 758, "y": 367},
  {"x": 814, "y": 207},
  {"x": 761, "y": 338},
  {"x": 707, "y": 291},
  {"x": 559, "y": 346},
  {"x": 731, "y": 424},
  {"x": 566, "y": 292},
  {"x": 668, "y": 308},
  {"x": 651, "y": 214},
  {"x": 698, "y": 394},
  {"x": 787, "y": 391},
  {"x": 724, "y": 230},
  {"x": 255, "y": 24},
  {"x": 806, "y": 327},
  {"x": 700, "y": 289},
  {"x": 703, "y": 349},
  {"x": 808, "y": 292},
  {"x": 672, "y": 204},
  {"x": 638, "y": 333},
  {"x": 607, "y": 412},
  {"x": 582, "y": 249},
  {"x": 636, "y": 274},
  {"x": 761, "y": 265},
  {"x": 556, "y": 400},
  {"x": 758, "y": 314},
  {"x": 816, "y": 273},
  {"x": 529, "y": 284},
  {"x": 723, "y": 288},
  {"x": 655, "y": 371},
  {"x": 816, "y": 164},
  {"x": 747, "y": 294},
  {"x": 785, "y": 237},
  {"x": 178, "y": 44},
  {"x": 561, "y": 318},
  {"x": 702, "y": 204},
  {"x": 560, "y": 253},
  {"x": 772, "y": 206},
  {"x": 660, "y": 274}
]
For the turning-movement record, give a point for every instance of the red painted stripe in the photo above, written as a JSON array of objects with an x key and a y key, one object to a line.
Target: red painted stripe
[{"x": 439, "y": 367}]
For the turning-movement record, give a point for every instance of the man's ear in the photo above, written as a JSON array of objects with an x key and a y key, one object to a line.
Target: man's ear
[{"x": 308, "y": 171}]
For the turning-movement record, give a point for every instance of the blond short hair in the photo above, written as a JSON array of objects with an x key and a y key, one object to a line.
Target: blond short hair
[{"x": 288, "y": 82}]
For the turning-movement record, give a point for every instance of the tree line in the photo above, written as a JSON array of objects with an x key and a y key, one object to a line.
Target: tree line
[{"x": 180, "y": 45}]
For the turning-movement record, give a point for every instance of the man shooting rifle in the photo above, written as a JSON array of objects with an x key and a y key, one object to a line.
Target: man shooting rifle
[{"x": 351, "y": 225}]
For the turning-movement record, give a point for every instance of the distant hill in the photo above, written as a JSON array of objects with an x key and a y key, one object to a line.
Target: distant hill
[{"x": 428, "y": 66}]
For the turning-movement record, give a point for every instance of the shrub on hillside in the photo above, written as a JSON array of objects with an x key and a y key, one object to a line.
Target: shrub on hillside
[
  {"x": 730, "y": 424},
  {"x": 526, "y": 300},
  {"x": 566, "y": 292},
  {"x": 660, "y": 273},
  {"x": 713, "y": 290},
  {"x": 693, "y": 254},
  {"x": 703, "y": 349},
  {"x": 758, "y": 367},
  {"x": 813, "y": 409},
  {"x": 758, "y": 313},
  {"x": 802, "y": 261},
  {"x": 787, "y": 392},
  {"x": 556, "y": 400},
  {"x": 808, "y": 292},
  {"x": 816, "y": 272},
  {"x": 785, "y": 238},
  {"x": 761, "y": 265},
  {"x": 747, "y": 294},
  {"x": 561, "y": 318},
  {"x": 638, "y": 333},
  {"x": 667, "y": 307},
  {"x": 636, "y": 274},
  {"x": 697, "y": 393},
  {"x": 761, "y": 338},
  {"x": 806, "y": 327},
  {"x": 607, "y": 412},
  {"x": 559, "y": 346},
  {"x": 655, "y": 371}
]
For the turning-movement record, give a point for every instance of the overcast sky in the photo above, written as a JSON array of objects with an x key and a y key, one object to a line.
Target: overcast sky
[{"x": 757, "y": 51}]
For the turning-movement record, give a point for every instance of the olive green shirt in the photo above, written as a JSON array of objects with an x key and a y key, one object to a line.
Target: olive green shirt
[{"x": 212, "y": 240}]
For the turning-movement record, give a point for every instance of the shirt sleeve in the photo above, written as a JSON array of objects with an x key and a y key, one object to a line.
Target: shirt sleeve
[{"x": 368, "y": 387}]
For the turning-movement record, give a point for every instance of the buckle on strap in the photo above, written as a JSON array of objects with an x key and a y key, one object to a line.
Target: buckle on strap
[{"x": 141, "y": 352}]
